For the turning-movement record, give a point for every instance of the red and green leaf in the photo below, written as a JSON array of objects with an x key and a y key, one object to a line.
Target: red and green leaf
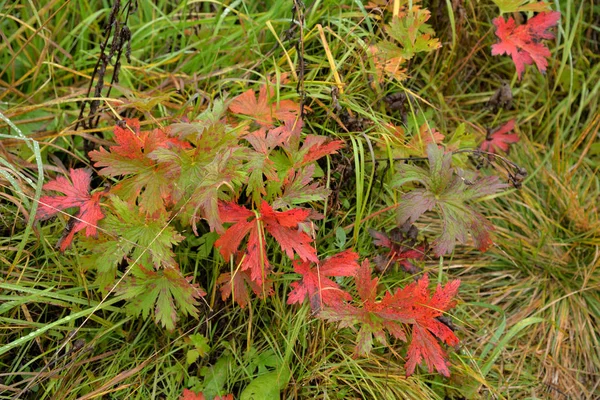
[
  {"x": 220, "y": 175},
  {"x": 299, "y": 188},
  {"x": 449, "y": 194},
  {"x": 149, "y": 183}
]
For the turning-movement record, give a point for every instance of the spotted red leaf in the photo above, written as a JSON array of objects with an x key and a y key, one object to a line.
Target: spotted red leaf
[
  {"x": 500, "y": 139},
  {"x": 523, "y": 42},
  {"x": 315, "y": 283},
  {"x": 76, "y": 194},
  {"x": 282, "y": 225}
]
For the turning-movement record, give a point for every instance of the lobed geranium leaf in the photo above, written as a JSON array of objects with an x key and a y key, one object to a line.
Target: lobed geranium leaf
[
  {"x": 523, "y": 42},
  {"x": 164, "y": 291},
  {"x": 76, "y": 194},
  {"x": 149, "y": 183},
  {"x": 282, "y": 225},
  {"x": 315, "y": 284},
  {"x": 410, "y": 30},
  {"x": 143, "y": 237},
  {"x": 263, "y": 110},
  {"x": 449, "y": 194},
  {"x": 412, "y": 305}
]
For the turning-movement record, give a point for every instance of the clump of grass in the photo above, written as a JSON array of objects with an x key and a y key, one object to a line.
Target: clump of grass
[{"x": 545, "y": 265}]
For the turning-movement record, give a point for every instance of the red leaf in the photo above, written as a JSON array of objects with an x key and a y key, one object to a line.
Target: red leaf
[
  {"x": 320, "y": 149},
  {"x": 500, "y": 139},
  {"x": 372, "y": 315},
  {"x": 237, "y": 287},
  {"x": 262, "y": 110},
  {"x": 411, "y": 305},
  {"x": 189, "y": 395},
  {"x": 523, "y": 42},
  {"x": 415, "y": 306},
  {"x": 132, "y": 144},
  {"x": 291, "y": 130},
  {"x": 425, "y": 346},
  {"x": 315, "y": 285},
  {"x": 77, "y": 194},
  {"x": 282, "y": 225}
]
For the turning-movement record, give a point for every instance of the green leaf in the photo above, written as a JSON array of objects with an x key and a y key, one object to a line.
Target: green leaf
[
  {"x": 201, "y": 348},
  {"x": 267, "y": 386},
  {"x": 259, "y": 165},
  {"x": 340, "y": 237},
  {"x": 412, "y": 33},
  {"x": 164, "y": 291},
  {"x": 221, "y": 173},
  {"x": 107, "y": 257},
  {"x": 298, "y": 189},
  {"x": 151, "y": 185},
  {"x": 262, "y": 361},
  {"x": 461, "y": 139},
  {"x": 142, "y": 237},
  {"x": 216, "y": 376},
  {"x": 509, "y": 6},
  {"x": 191, "y": 356}
]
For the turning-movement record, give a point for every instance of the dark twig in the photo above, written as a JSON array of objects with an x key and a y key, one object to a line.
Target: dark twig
[
  {"x": 298, "y": 14},
  {"x": 121, "y": 40}
]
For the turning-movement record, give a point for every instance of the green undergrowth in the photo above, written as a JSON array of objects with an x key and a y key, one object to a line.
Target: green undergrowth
[{"x": 528, "y": 310}]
